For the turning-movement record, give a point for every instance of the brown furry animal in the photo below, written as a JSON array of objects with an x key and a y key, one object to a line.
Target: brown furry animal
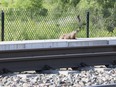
[{"x": 71, "y": 35}]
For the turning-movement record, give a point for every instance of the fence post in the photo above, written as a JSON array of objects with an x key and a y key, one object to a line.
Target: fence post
[
  {"x": 2, "y": 25},
  {"x": 87, "y": 25}
]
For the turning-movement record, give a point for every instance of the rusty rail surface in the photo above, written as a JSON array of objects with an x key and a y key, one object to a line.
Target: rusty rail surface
[{"x": 37, "y": 59}]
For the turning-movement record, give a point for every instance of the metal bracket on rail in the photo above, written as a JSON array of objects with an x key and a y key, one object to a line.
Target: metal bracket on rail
[
  {"x": 4, "y": 71},
  {"x": 79, "y": 66},
  {"x": 45, "y": 67},
  {"x": 112, "y": 65},
  {"x": 114, "y": 62}
]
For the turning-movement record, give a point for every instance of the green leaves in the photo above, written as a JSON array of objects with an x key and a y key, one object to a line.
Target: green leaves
[
  {"x": 106, "y": 3},
  {"x": 36, "y": 4},
  {"x": 74, "y": 2}
]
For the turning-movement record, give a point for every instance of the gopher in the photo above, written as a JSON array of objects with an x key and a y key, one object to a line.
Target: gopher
[{"x": 71, "y": 35}]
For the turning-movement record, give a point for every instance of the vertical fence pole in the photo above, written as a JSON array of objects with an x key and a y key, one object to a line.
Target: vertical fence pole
[
  {"x": 2, "y": 24},
  {"x": 87, "y": 24}
]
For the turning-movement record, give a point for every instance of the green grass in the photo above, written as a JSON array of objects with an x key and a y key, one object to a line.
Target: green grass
[{"x": 18, "y": 30}]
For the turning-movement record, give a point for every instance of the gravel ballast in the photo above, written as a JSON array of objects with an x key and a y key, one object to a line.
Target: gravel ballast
[{"x": 70, "y": 78}]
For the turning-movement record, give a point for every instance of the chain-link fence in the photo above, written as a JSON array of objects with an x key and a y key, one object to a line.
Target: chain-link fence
[
  {"x": 0, "y": 28},
  {"x": 103, "y": 24},
  {"x": 24, "y": 24}
]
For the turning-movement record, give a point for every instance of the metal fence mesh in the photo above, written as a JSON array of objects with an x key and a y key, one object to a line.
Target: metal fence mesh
[
  {"x": 102, "y": 24},
  {"x": 24, "y": 24},
  {"x": 0, "y": 27}
]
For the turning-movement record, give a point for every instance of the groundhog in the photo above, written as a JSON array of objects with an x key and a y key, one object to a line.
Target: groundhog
[{"x": 71, "y": 35}]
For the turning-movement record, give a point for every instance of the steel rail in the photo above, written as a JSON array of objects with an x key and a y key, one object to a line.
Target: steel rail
[
  {"x": 50, "y": 57},
  {"x": 109, "y": 85},
  {"x": 36, "y": 59}
]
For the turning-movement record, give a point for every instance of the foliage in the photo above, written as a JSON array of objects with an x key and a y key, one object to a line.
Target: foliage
[{"x": 106, "y": 3}]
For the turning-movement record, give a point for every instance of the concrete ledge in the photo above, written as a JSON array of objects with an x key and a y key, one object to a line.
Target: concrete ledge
[
  {"x": 112, "y": 42},
  {"x": 33, "y": 44}
]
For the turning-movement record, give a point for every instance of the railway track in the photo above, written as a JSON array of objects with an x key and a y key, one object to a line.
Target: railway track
[{"x": 38, "y": 59}]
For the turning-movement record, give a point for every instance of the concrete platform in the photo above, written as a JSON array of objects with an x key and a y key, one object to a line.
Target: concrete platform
[{"x": 55, "y": 43}]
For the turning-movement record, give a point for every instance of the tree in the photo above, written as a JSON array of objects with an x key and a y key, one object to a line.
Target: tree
[
  {"x": 4, "y": 3},
  {"x": 106, "y": 3},
  {"x": 36, "y": 4},
  {"x": 66, "y": 4}
]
